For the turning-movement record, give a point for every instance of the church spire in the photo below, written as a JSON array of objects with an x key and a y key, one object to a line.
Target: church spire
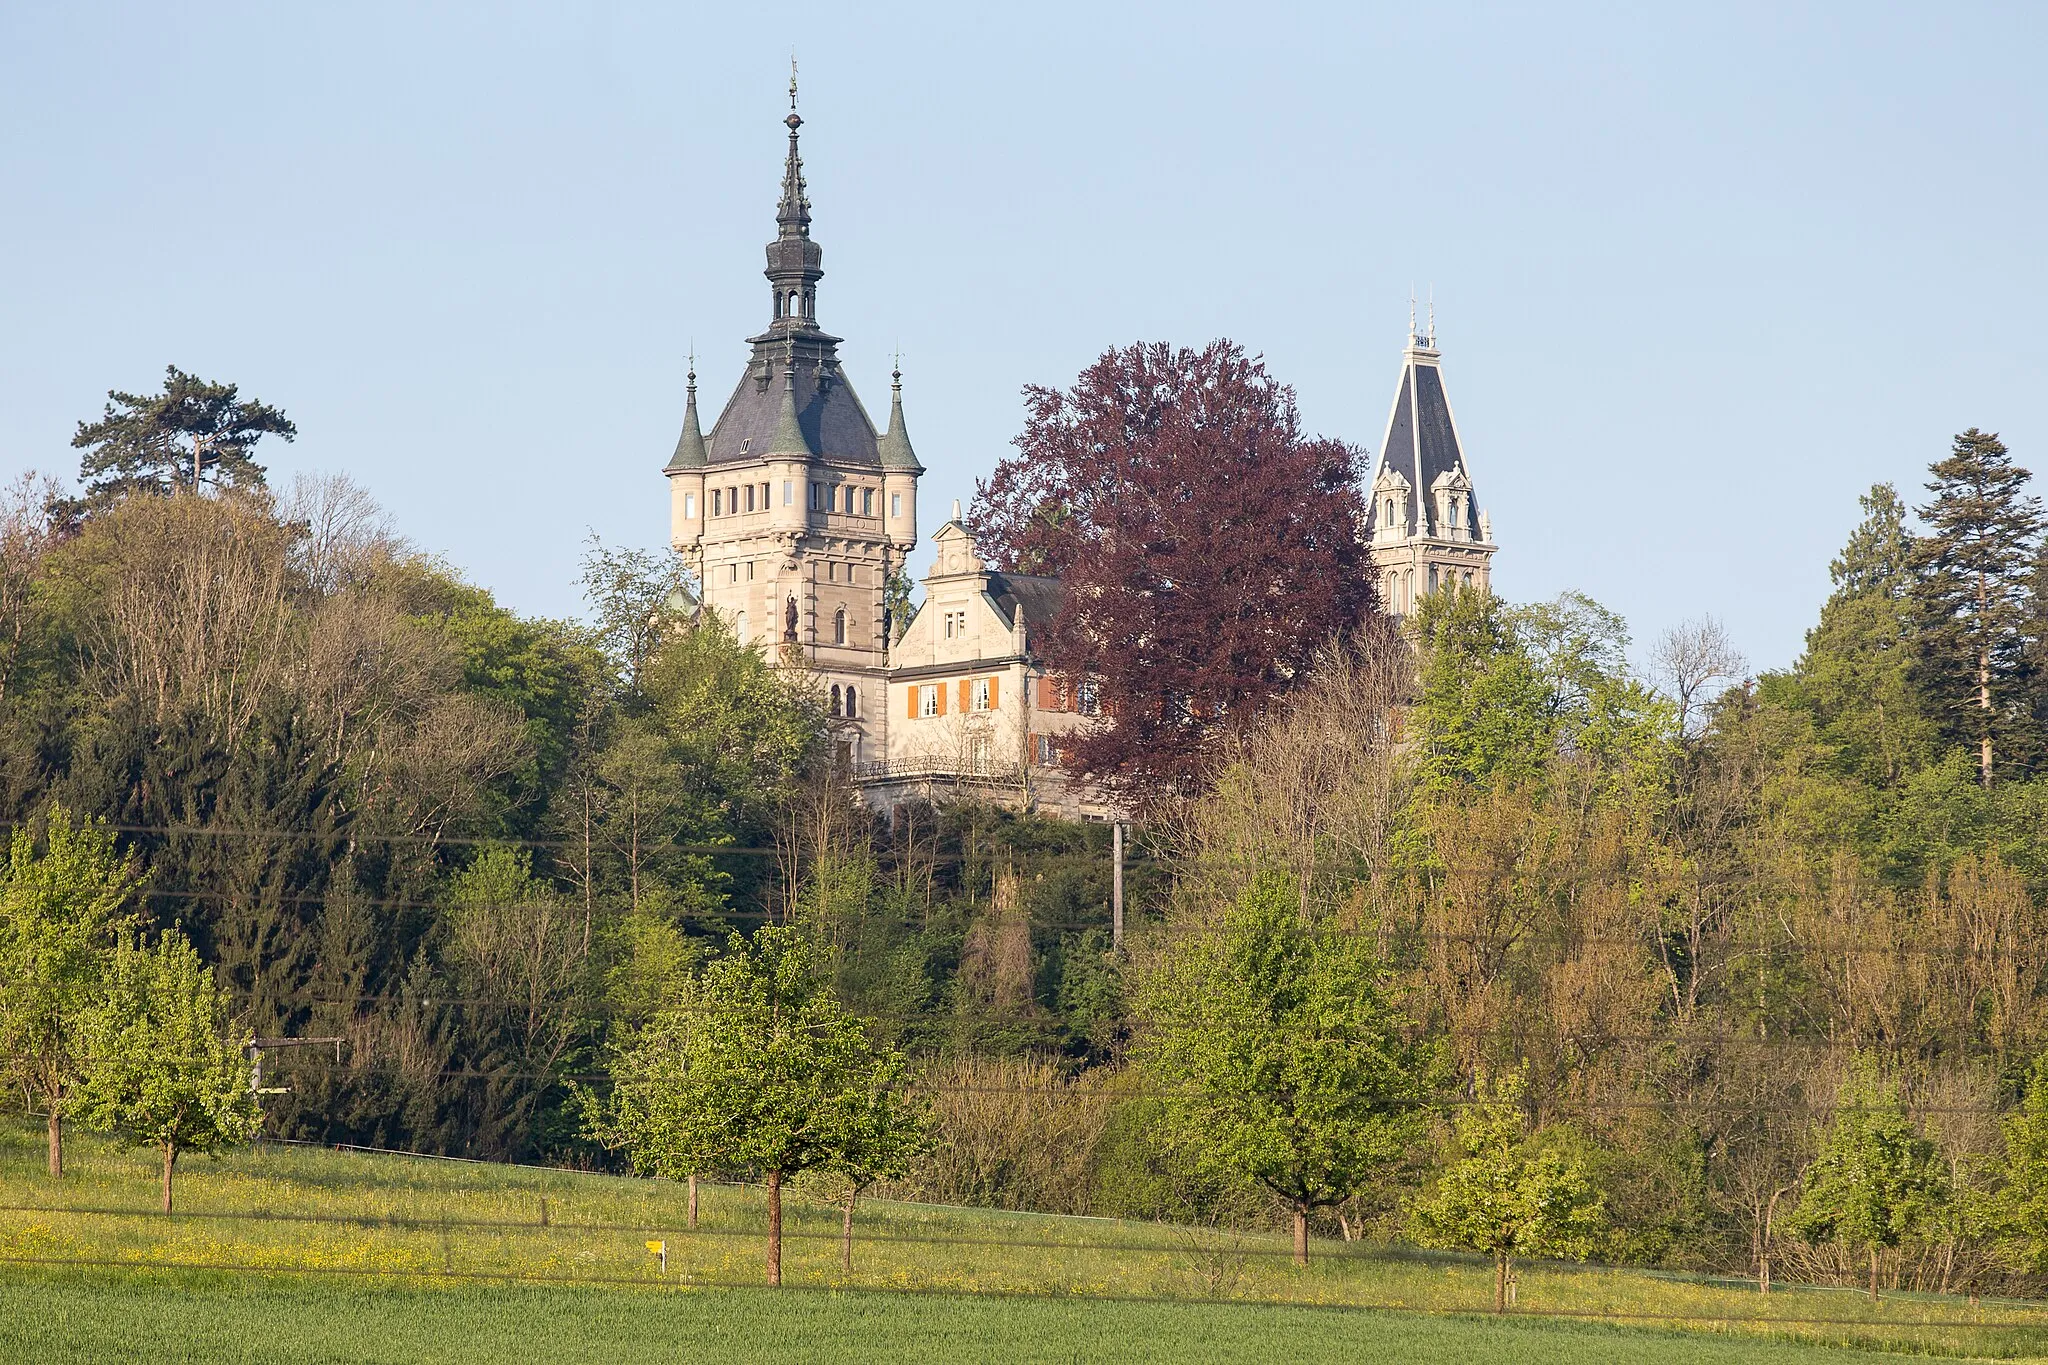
[{"x": 795, "y": 262}]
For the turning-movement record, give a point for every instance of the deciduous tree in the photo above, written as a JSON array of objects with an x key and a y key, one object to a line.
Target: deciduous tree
[
  {"x": 757, "y": 1068},
  {"x": 1281, "y": 1052},
  {"x": 1874, "y": 1181},
  {"x": 1206, "y": 546},
  {"x": 165, "y": 1060},
  {"x": 1504, "y": 1194},
  {"x": 60, "y": 905}
]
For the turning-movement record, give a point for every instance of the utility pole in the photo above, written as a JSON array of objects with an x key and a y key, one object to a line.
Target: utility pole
[{"x": 1116, "y": 887}]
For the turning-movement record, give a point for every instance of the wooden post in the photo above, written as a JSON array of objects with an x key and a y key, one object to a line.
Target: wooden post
[{"x": 1116, "y": 887}]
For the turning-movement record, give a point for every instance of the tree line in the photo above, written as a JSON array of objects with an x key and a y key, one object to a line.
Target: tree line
[{"x": 1471, "y": 931}]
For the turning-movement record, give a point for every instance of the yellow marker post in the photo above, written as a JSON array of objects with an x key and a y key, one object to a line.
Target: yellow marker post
[{"x": 660, "y": 1249}]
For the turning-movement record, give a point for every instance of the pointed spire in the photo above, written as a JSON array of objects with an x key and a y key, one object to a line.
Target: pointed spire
[
  {"x": 690, "y": 453},
  {"x": 894, "y": 447},
  {"x": 789, "y": 433},
  {"x": 793, "y": 213}
]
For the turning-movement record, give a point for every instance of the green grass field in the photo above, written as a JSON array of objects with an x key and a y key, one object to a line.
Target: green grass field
[{"x": 297, "y": 1254}]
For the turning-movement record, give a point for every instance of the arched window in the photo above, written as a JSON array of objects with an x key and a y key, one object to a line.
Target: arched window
[
  {"x": 852, "y": 710},
  {"x": 839, "y": 627},
  {"x": 1408, "y": 590},
  {"x": 835, "y": 699},
  {"x": 1432, "y": 578}
]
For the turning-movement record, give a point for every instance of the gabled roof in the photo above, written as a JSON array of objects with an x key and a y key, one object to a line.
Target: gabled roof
[
  {"x": 1422, "y": 440},
  {"x": 1037, "y": 598}
]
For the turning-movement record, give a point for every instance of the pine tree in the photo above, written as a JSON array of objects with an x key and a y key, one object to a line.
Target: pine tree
[
  {"x": 159, "y": 442},
  {"x": 1970, "y": 593},
  {"x": 1858, "y": 661}
]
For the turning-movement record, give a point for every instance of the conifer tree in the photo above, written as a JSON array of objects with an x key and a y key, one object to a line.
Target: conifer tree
[
  {"x": 1856, "y": 671},
  {"x": 191, "y": 432},
  {"x": 1972, "y": 572}
]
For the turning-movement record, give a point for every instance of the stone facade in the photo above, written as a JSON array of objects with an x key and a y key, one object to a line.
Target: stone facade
[
  {"x": 798, "y": 518},
  {"x": 1424, "y": 523}
]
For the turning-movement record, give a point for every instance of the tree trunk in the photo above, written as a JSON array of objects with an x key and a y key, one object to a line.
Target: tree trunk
[
  {"x": 170, "y": 1156},
  {"x": 1984, "y": 694},
  {"x": 846, "y": 1236},
  {"x": 693, "y": 1203},
  {"x": 775, "y": 1228},
  {"x": 1301, "y": 1234},
  {"x": 56, "y": 1142},
  {"x": 1500, "y": 1282},
  {"x": 1763, "y": 1274},
  {"x": 1873, "y": 1272}
]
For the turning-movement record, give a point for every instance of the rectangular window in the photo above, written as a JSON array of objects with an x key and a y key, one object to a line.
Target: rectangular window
[
  {"x": 1045, "y": 751},
  {"x": 1088, "y": 703},
  {"x": 750, "y": 571},
  {"x": 689, "y": 507},
  {"x": 831, "y": 573},
  {"x": 735, "y": 571},
  {"x": 867, "y": 502},
  {"x": 750, "y": 497},
  {"x": 981, "y": 694},
  {"x": 788, "y": 493},
  {"x": 895, "y": 504},
  {"x": 853, "y": 573},
  {"x": 717, "y": 503},
  {"x": 849, "y": 500},
  {"x": 765, "y": 503},
  {"x": 816, "y": 494},
  {"x": 928, "y": 700}
]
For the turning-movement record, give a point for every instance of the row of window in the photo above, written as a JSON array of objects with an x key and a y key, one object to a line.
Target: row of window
[
  {"x": 1057, "y": 694},
  {"x": 737, "y": 572},
  {"x": 974, "y": 694},
  {"x": 845, "y": 697},
  {"x": 736, "y": 499},
  {"x": 1400, "y": 595}
]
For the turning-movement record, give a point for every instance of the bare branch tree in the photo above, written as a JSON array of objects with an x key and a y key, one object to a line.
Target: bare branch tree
[{"x": 1688, "y": 659}]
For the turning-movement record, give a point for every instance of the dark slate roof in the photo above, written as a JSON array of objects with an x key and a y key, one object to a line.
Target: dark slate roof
[
  {"x": 1422, "y": 442},
  {"x": 1038, "y": 598},
  {"x": 835, "y": 425}
]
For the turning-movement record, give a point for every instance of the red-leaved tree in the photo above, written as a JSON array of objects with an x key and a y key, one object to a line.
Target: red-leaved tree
[{"x": 1207, "y": 548}]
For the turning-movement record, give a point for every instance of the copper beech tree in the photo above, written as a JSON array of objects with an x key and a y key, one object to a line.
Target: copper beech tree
[{"x": 1206, "y": 547}]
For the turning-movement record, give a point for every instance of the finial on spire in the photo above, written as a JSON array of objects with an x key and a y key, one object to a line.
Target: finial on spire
[
  {"x": 792, "y": 80},
  {"x": 896, "y": 369},
  {"x": 1432, "y": 317},
  {"x": 692, "y": 375},
  {"x": 1412, "y": 334}
]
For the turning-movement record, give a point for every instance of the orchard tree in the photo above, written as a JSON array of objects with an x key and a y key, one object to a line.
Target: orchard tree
[
  {"x": 1206, "y": 548},
  {"x": 60, "y": 906},
  {"x": 883, "y": 1131},
  {"x": 1505, "y": 1195},
  {"x": 166, "y": 1064},
  {"x": 1282, "y": 1056},
  {"x": 192, "y": 432},
  {"x": 1874, "y": 1181},
  {"x": 1973, "y": 573},
  {"x": 757, "y": 1068}
]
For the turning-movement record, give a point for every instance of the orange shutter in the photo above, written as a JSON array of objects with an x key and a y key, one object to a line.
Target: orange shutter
[
  {"x": 939, "y": 690},
  {"x": 1045, "y": 701},
  {"x": 966, "y": 696},
  {"x": 993, "y": 685},
  {"x": 911, "y": 692}
]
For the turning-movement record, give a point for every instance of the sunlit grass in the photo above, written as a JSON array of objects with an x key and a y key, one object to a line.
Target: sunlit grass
[{"x": 381, "y": 1224}]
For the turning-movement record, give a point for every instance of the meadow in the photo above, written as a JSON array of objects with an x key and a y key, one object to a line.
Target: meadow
[{"x": 304, "y": 1254}]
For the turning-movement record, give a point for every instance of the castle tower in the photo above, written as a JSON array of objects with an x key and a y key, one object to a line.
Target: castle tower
[
  {"x": 794, "y": 511},
  {"x": 1425, "y": 526}
]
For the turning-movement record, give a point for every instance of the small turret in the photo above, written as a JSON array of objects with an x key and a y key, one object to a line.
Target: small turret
[
  {"x": 789, "y": 432},
  {"x": 690, "y": 445},
  {"x": 894, "y": 447}
]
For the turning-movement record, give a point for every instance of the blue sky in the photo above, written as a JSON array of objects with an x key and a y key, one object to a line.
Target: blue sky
[{"x": 1702, "y": 273}]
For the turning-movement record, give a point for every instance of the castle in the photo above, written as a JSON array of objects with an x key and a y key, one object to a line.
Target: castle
[{"x": 799, "y": 519}]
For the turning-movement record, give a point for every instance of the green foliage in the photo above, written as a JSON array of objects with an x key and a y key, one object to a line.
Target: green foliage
[
  {"x": 2018, "y": 1212},
  {"x": 636, "y": 598},
  {"x": 759, "y": 1068},
  {"x": 1505, "y": 1195},
  {"x": 1280, "y": 1050},
  {"x": 60, "y": 906},
  {"x": 1873, "y": 1182},
  {"x": 165, "y": 1067},
  {"x": 1972, "y": 571},
  {"x": 192, "y": 431}
]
